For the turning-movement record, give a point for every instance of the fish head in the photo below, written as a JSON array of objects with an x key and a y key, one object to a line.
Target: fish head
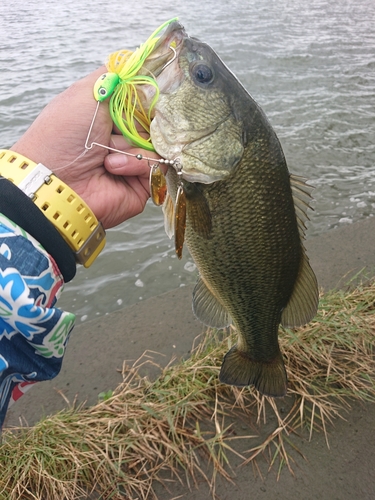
[{"x": 195, "y": 119}]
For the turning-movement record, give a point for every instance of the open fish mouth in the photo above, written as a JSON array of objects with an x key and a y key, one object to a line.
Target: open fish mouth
[
  {"x": 175, "y": 135},
  {"x": 166, "y": 49},
  {"x": 162, "y": 65}
]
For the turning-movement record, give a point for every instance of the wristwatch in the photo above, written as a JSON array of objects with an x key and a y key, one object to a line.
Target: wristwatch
[{"x": 64, "y": 208}]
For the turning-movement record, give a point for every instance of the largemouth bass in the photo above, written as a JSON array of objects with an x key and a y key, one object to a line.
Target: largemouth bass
[{"x": 244, "y": 212}]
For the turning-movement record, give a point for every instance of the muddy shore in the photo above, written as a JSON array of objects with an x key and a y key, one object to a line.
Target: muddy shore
[{"x": 165, "y": 324}]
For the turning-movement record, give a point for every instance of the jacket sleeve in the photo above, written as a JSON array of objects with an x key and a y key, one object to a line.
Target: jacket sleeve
[
  {"x": 18, "y": 207},
  {"x": 33, "y": 332}
]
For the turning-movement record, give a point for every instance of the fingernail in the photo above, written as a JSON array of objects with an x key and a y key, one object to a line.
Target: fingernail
[{"x": 117, "y": 161}]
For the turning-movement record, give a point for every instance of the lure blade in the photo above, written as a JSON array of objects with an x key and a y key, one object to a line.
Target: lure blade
[
  {"x": 158, "y": 185},
  {"x": 180, "y": 221}
]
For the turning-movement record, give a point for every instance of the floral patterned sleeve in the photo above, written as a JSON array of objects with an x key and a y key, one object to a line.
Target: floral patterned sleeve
[{"x": 33, "y": 333}]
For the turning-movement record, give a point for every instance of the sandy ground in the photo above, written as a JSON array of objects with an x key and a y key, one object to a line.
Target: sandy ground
[{"x": 165, "y": 324}]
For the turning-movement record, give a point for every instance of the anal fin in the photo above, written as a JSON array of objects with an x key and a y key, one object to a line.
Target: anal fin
[{"x": 207, "y": 308}]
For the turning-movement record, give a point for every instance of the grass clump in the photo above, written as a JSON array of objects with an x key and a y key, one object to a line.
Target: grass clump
[{"x": 181, "y": 426}]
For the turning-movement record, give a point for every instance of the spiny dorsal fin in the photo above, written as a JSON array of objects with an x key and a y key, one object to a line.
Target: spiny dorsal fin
[
  {"x": 303, "y": 303},
  {"x": 302, "y": 198},
  {"x": 207, "y": 308}
]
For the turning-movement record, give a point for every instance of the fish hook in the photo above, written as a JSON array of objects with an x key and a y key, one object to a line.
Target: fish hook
[{"x": 173, "y": 58}]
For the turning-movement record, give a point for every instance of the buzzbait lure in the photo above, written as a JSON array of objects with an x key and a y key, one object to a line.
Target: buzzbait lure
[{"x": 119, "y": 84}]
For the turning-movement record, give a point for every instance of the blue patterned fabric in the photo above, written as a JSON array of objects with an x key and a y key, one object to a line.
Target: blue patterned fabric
[{"x": 33, "y": 333}]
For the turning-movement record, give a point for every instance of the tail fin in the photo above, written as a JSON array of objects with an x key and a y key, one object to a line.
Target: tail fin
[{"x": 239, "y": 369}]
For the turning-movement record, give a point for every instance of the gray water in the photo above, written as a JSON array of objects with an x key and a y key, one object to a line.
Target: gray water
[{"x": 310, "y": 64}]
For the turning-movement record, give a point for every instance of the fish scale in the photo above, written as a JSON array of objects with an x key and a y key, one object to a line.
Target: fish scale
[
  {"x": 254, "y": 253},
  {"x": 245, "y": 213}
]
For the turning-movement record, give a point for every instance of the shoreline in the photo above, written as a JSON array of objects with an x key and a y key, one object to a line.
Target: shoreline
[{"x": 165, "y": 324}]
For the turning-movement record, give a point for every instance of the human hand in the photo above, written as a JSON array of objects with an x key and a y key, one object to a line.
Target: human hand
[{"x": 114, "y": 185}]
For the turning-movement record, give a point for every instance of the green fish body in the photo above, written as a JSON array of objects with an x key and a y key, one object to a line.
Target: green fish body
[{"x": 245, "y": 213}]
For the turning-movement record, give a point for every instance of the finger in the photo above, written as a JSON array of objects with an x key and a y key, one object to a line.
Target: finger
[
  {"x": 120, "y": 164},
  {"x": 119, "y": 142},
  {"x": 129, "y": 163}
]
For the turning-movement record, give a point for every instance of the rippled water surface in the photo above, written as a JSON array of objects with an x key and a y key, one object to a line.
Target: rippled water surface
[{"x": 310, "y": 65}]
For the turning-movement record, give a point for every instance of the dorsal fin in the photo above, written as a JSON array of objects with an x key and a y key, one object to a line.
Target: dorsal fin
[
  {"x": 303, "y": 303},
  {"x": 302, "y": 198},
  {"x": 207, "y": 308}
]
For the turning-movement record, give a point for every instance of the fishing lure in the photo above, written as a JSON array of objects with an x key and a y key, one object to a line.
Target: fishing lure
[
  {"x": 120, "y": 85},
  {"x": 157, "y": 185},
  {"x": 179, "y": 214}
]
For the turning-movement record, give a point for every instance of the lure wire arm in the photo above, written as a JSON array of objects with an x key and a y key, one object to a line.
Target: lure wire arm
[
  {"x": 87, "y": 147},
  {"x": 177, "y": 165},
  {"x": 138, "y": 156},
  {"x": 152, "y": 162}
]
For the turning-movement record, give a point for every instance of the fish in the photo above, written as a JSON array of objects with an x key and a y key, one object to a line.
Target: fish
[{"x": 233, "y": 202}]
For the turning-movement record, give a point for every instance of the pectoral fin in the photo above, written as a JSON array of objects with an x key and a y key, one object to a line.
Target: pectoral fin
[
  {"x": 192, "y": 205},
  {"x": 198, "y": 212},
  {"x": 207, "y": 308}
]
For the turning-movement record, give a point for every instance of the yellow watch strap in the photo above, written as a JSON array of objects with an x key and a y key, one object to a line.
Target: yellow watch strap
[{"x": 61, "y": 205}]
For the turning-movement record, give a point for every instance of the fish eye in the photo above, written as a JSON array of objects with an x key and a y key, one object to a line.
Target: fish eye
[{"x": 202, "y": 73}]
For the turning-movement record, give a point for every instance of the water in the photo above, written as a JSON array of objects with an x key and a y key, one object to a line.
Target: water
[{"x": 310, "y": 65}]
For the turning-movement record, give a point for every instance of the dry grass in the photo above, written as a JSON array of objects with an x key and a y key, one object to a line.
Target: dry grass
[{"x": 178, "y": 426}]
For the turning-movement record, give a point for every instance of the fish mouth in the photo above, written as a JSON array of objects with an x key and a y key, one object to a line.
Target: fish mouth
[
  {"x": 172, "y": 142},
  {"x": 162, "y": 65},
  {"x": 166, "y": 49}
]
